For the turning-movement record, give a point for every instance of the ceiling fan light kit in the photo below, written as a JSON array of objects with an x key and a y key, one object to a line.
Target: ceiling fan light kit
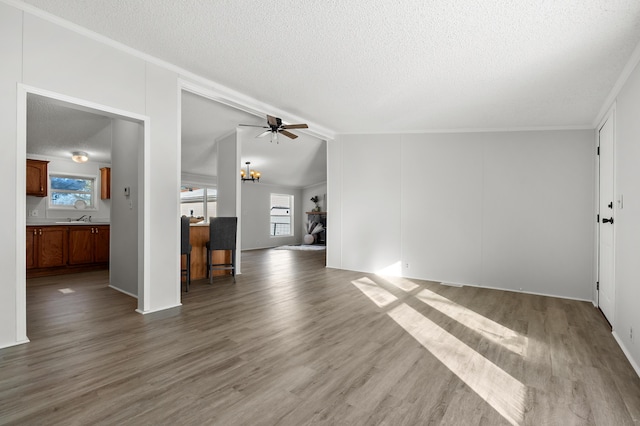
[{"x": 275, "y": 126}]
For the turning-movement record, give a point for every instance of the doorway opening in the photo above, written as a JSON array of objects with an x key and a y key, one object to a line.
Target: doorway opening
[
  {"x": 213, "y": 150},
  {"x": 95, "y": 229}
]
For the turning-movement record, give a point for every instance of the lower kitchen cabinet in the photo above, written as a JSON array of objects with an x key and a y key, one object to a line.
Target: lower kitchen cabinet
[
  {"x": 88, "y": 244},
  {"x": 54, "y": 250},
  {"x": 47, "y": 246},
  {"x": 101, "y": 245}
]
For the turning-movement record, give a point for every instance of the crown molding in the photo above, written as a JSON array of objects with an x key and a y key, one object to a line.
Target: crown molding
[
  {"x": 617, "y": 87},
  {"x": 475, "y": 130},
  {"x": 187, "y": 80}
]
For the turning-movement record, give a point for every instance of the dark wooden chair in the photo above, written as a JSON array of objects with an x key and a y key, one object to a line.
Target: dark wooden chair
[
  {"x": 222, "y": 236},
  {"x": 185, "y": 249}
]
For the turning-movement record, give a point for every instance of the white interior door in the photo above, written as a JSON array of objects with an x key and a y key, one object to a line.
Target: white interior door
[{"x": 606, "y": 293}]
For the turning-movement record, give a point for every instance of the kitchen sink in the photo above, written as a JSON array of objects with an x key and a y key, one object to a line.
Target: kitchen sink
[{"x": 75, "y": 222}]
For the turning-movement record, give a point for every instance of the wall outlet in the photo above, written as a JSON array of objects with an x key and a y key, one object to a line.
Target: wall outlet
[
  {"x": 631, "y": 333},
  {"x": 406, "y": 265},
  {"x": 33, "y": 213}
]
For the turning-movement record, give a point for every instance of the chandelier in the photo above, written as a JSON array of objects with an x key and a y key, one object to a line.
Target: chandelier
[{"x": 249, "y": 174}]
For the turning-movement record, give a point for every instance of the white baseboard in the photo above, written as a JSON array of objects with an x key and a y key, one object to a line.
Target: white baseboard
[
  {"x": 158, "y": 309},
  {"x": 19, "y": 342},
  {"x": 458, "y": 284},
  {"x": 451, "y": 284},
  {"x": 536, "y": 294},
  {"x": 626, "y": 352},
  {"x": 123, "y": 291}
]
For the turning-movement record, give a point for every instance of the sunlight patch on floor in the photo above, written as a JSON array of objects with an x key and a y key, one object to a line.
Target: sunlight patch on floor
[
  {"x": 378, "y": 295},
  {"x": 402, "y": 283},
  {"x": 499, "y": 389},
  {"x": 493, "y": 331},
  {"x": 66, "y": 290}
]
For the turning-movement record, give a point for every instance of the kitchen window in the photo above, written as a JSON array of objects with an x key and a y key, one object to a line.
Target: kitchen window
[{"x": 71, "y": 191}]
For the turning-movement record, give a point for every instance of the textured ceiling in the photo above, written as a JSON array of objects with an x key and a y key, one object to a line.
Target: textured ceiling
[
  {"x": 389, "y": 65},
  {"x": 299, "y": 163},
  {"x": 57, "y": 128}
]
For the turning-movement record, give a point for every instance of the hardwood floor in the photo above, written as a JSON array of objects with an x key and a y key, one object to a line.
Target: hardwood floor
[{"x": 294, "y": 343}]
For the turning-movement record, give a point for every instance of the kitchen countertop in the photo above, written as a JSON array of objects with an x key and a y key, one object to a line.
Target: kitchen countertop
[
  {"x": 68, "y": 223},
  {"x": 199, "y": 224}
]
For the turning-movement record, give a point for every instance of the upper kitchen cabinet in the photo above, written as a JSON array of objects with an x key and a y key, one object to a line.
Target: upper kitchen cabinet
[
  {"x": 105, "y": 183},
  {"x": 37, "y": 178}
]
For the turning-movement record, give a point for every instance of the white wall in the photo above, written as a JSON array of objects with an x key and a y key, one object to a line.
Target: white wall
[
  {"x": 229, "y": 202},
  {"x": 371, "y": 232},
  {"x": 46, "y": 56},
  {"x": 12, "y": 327},
  {"x": 63, "y": 61},
  {"x": 256, "y": 202},
  {"x": 162, "y": 226},
  {"x": 228, "y": 176},
  {"x": 510, "y": 210},
  {"x": 334, "y": 194},
  {"x": 66, "y": 165},
  {"x": 627, "y": 219},
  {"x": 441, "y": 204},
  {"x": 123, "y": 265}
]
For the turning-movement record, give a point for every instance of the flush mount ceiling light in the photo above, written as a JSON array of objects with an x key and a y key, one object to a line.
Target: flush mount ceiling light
[
  {"x": 79, "y": 156},
  {"x": 249, "y": 174}
]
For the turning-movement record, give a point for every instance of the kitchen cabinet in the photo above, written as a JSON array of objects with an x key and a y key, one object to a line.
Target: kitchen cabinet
[
  {"x": 105, "y": 183},
  {"x": 37, "y": 178},
  {"x": 101, "y": 246},
  {"x": 88, "y": 244},
  {"x": 47, "y": 246},
  {"x": 60, "y": 249}
]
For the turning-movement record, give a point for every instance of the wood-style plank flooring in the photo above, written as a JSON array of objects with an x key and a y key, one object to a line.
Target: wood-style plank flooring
[{"x": 294, "y": 343}]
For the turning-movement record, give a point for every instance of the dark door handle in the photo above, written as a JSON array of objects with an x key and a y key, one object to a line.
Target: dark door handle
[
  {"x": 605, "y": 220},
  {"x": 610, "y": 205}
]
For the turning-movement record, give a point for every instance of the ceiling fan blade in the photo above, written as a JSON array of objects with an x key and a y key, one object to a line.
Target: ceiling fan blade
[
  {"x": 273, "y": 121},
  {"x": 295, "y": 126},
  {"x": 252, "y": 125},
  {"x": 288, "y": 134},
  {"x": 265, "y": 133}
]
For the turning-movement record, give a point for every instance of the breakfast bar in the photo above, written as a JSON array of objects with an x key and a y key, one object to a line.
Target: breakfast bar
[{"x": 198, "y": 237}]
